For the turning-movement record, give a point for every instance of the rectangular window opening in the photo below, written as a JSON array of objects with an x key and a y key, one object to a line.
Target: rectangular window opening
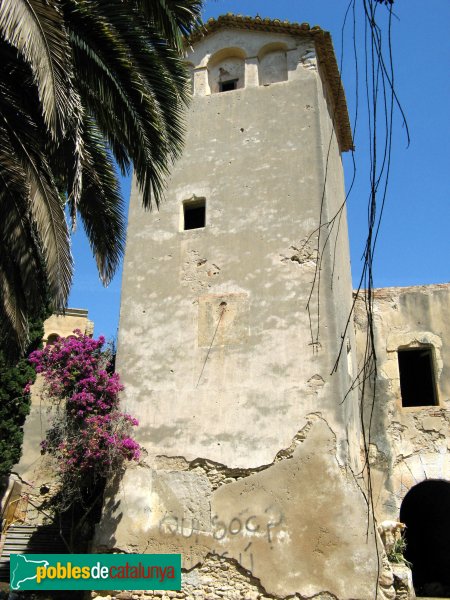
[
  {"x": 227, "y": 86},
  {"x": 417, "y": 381},
  {"x": 194, "y": 214}
]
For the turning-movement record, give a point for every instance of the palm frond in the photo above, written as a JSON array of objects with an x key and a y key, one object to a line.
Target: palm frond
[
  {"x": 36, "y": 28},
  {"x": 101, "y": 205},
  {"x": 81, "y": 83},
  {"x": 13, "y": 310},
  {"x": 174, "y": 19},
  {"x": 21, "y": 275},
  {"x": 47, "y": 214},
  {"x": 134, "y": 85}
]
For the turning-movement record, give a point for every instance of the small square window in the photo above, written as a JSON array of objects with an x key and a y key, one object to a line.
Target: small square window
[
  {"x": 227, "y": 86},
  {"x": 417, "y": 382},
  {"x": 194, "y": 214}
]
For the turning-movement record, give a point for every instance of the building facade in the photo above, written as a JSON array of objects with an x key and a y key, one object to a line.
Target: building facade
[
  {"x": 235, "y": 300},
  {"x": 269, "y": 462},
  {"x": 407, "y": 409}
]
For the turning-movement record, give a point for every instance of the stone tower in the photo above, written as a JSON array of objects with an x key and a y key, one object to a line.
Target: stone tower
[{"x": 251, "y": 443}]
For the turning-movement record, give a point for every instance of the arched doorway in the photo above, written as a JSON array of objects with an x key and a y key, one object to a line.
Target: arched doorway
[{"x": 425, "y": 511}]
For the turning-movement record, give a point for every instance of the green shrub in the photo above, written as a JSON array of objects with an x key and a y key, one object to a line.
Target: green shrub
[{"x": 15, "y": 399}]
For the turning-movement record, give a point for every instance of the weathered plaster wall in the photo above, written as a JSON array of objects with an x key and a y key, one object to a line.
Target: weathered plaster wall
[
  {"x": 281, "y": 525},
  {"x": 247, "y": 436},
  {"x": 30, "y": 466},
  {"x": 260, "y": 165},
  {"x": 336, "y": 269},
  {"x": 65, "y": 324},
  {"x": 408, "y": 445}
]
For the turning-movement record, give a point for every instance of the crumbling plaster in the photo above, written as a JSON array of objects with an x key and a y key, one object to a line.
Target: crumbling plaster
[
  {"x": 293, "y": 525},
  {"x": 255, "y": 58},
  {"x": 408, "y": 445},
  {"x": 251, "y": 446}
]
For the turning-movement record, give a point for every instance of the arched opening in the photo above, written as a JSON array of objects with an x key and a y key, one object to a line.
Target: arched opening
[
  {"x": 51, "y": 339},
  {"x": 425, "y": 511},
  {"x": 272, "y": 63},
  {"x": 226, "y": 70}
]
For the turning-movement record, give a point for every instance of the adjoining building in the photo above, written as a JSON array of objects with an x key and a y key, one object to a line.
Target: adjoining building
[
  {"x": 57, "y": 325},
  {"x": 22, "y": 494},
  {"x": 409, "y": 411}
]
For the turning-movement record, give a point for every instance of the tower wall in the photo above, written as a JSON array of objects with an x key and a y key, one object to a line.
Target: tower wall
[
  {"x": 249, "y": 439},
  {"x": 258, "y": 158}
]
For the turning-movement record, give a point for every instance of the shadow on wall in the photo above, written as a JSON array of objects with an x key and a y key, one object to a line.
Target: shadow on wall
[
  {"x": 227, "y": 68},
  {"x": 111, "y": 516}
]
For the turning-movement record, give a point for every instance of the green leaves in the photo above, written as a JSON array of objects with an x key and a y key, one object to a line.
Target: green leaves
[
  {"x": 35, "y": 248},
  {"x": 172, "y": 18},
  {"x": 36, "y": 29},
  {"x": 15, "y": 399},
  {"x": 82, "y": 84}
]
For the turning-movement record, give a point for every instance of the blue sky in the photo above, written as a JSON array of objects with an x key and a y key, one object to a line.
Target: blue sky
[{"x": 413, "y": 246}]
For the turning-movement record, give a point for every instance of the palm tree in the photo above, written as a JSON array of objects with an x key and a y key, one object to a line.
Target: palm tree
[{"x": 82, "y": 83}]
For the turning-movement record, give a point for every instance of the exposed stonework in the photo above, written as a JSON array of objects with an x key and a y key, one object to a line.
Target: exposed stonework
[
  {"x": 386, "y": 579},
  {"x": 409, "y": 445},
  {"x": 286, "y": 509},
  {"x": 303, "y": 254},
  {"x": 217, "y": 578},
  {"x": 403, "y": 585}
]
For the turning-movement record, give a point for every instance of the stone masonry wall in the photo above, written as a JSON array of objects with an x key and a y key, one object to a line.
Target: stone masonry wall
[{"x": 408, "y": 445}]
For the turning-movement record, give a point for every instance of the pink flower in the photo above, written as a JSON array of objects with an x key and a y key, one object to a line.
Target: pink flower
[{"x": 95, "y": 436}]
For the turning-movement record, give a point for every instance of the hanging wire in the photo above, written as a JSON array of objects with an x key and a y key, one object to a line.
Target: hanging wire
[{"x": 381, "y": 101}]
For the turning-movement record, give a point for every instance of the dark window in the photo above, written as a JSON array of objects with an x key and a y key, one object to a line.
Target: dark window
[
  {"x": 417, "y": 382},
  {"x": 227, "y": 86},
  {"x": 194, "y": 214},
  {"x": 52, "y": 338},
  {"x": 425, "y": 513}
]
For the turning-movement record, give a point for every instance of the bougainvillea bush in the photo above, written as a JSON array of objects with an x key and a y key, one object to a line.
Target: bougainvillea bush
[{"x": 89, "y": 436}]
